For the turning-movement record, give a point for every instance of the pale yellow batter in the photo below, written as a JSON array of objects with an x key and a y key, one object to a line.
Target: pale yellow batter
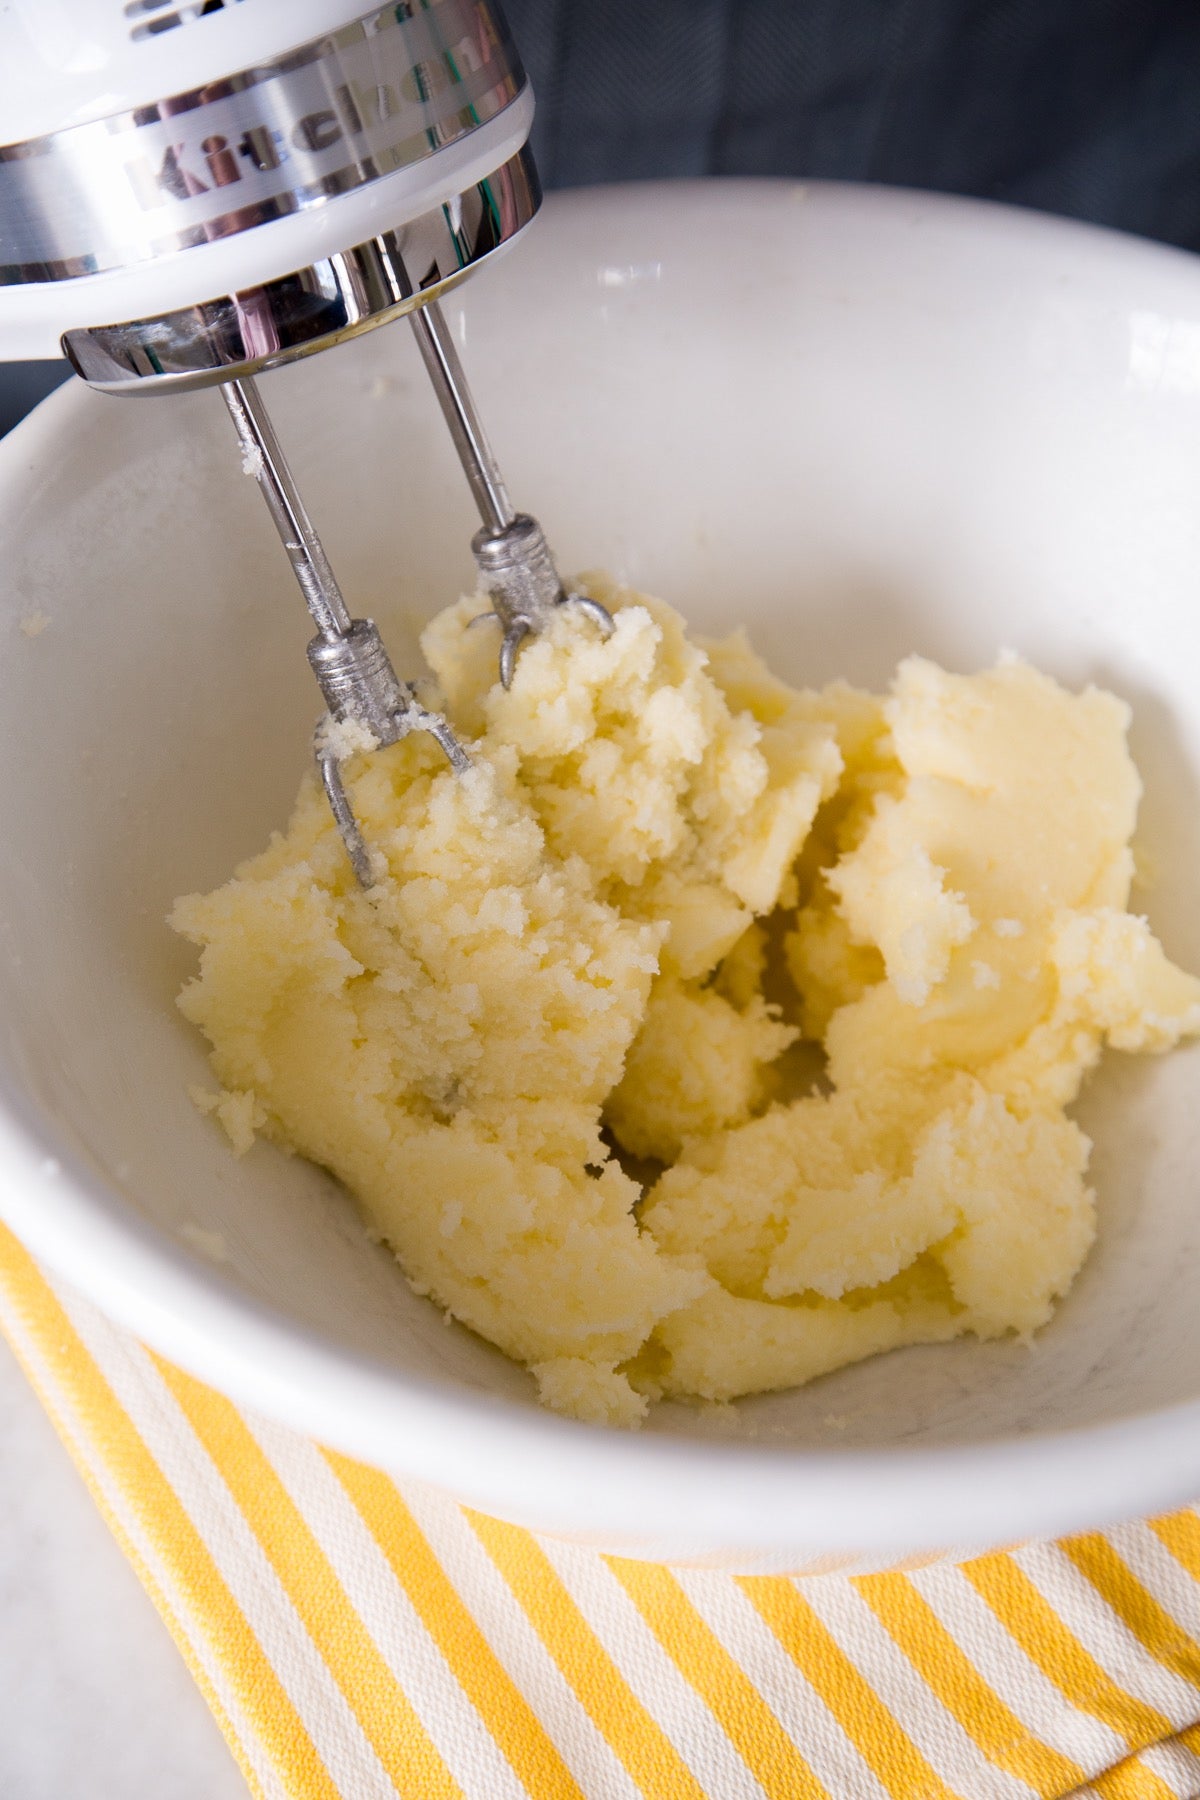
[{"x": 668, "y": 883}]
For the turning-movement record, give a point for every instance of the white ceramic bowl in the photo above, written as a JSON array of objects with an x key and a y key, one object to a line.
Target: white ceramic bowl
[{"x": 860, "y": 422}]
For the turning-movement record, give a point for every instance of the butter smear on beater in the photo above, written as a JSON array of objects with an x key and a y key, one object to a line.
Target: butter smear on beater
[{"x": 821, "y": 969}]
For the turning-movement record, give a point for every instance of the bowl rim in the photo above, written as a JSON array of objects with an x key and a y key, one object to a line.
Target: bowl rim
[{"x": 523, "y": 1462}]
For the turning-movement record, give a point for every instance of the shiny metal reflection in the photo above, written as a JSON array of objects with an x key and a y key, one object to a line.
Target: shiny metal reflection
[{"x": 311, "y": 309}]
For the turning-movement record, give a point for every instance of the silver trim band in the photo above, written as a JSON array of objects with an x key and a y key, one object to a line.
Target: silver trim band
[
  {"x": 312, "y": 308},
  {"x": 337, "y": 113}
]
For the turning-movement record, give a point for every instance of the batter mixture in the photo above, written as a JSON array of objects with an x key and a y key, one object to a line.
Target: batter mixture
[{"x": 709, "y": 1034}]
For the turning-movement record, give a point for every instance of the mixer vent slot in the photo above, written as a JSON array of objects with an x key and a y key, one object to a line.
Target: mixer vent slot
[{"x": 149, "y": 18}]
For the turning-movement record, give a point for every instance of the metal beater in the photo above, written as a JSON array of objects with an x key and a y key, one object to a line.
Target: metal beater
[{"x": 348, "y": 656}]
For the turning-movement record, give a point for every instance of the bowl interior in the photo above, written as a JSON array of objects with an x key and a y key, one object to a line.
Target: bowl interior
[{"x": 861, "y": 424}]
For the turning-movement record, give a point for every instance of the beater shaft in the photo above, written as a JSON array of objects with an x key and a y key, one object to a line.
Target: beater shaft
[
  {"x": 348, "y": 656},
  {"x": 445, "y": 370},
  {"x": 263, "y": 458},
  {"x": 511, "y": 552}
]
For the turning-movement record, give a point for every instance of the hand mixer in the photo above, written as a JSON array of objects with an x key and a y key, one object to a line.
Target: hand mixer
[{"x": 312, "y": 171}]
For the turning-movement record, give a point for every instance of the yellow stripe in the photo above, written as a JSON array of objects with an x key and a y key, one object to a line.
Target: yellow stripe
[
  {"x": 1001, "y": 1736},
  {"x": 496, "y": 1697},
  {"x": 170, "y": 1617},
  {"x": 383, "y": 1709},
  {"x": 162, "y": 1602},
  {"x": 1180, "y": 1532},
  {"x": 1033, "y": 1622},
  {"x": 1132, "y": 1780},
  {"x": 628, "y": 1729},
  {"x": 151, "y": 1498},
  {"x": 722, "y": 1684},
  {"x": 876, "y": 1733},
  {"x": 1120, "y": 1588}
]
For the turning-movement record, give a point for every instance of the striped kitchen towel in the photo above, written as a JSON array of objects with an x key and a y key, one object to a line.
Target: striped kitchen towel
[{"x": 362, "y": 1639}]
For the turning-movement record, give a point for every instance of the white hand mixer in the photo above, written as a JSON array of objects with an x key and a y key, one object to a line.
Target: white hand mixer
[{"x": 312, "y": 171}]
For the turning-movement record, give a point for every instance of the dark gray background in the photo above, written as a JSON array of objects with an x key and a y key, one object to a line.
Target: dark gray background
[{"x": 1086, "y": 107}]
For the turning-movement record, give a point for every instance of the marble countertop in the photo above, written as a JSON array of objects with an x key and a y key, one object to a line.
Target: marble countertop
[{"x": 95, "y": 1700}]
